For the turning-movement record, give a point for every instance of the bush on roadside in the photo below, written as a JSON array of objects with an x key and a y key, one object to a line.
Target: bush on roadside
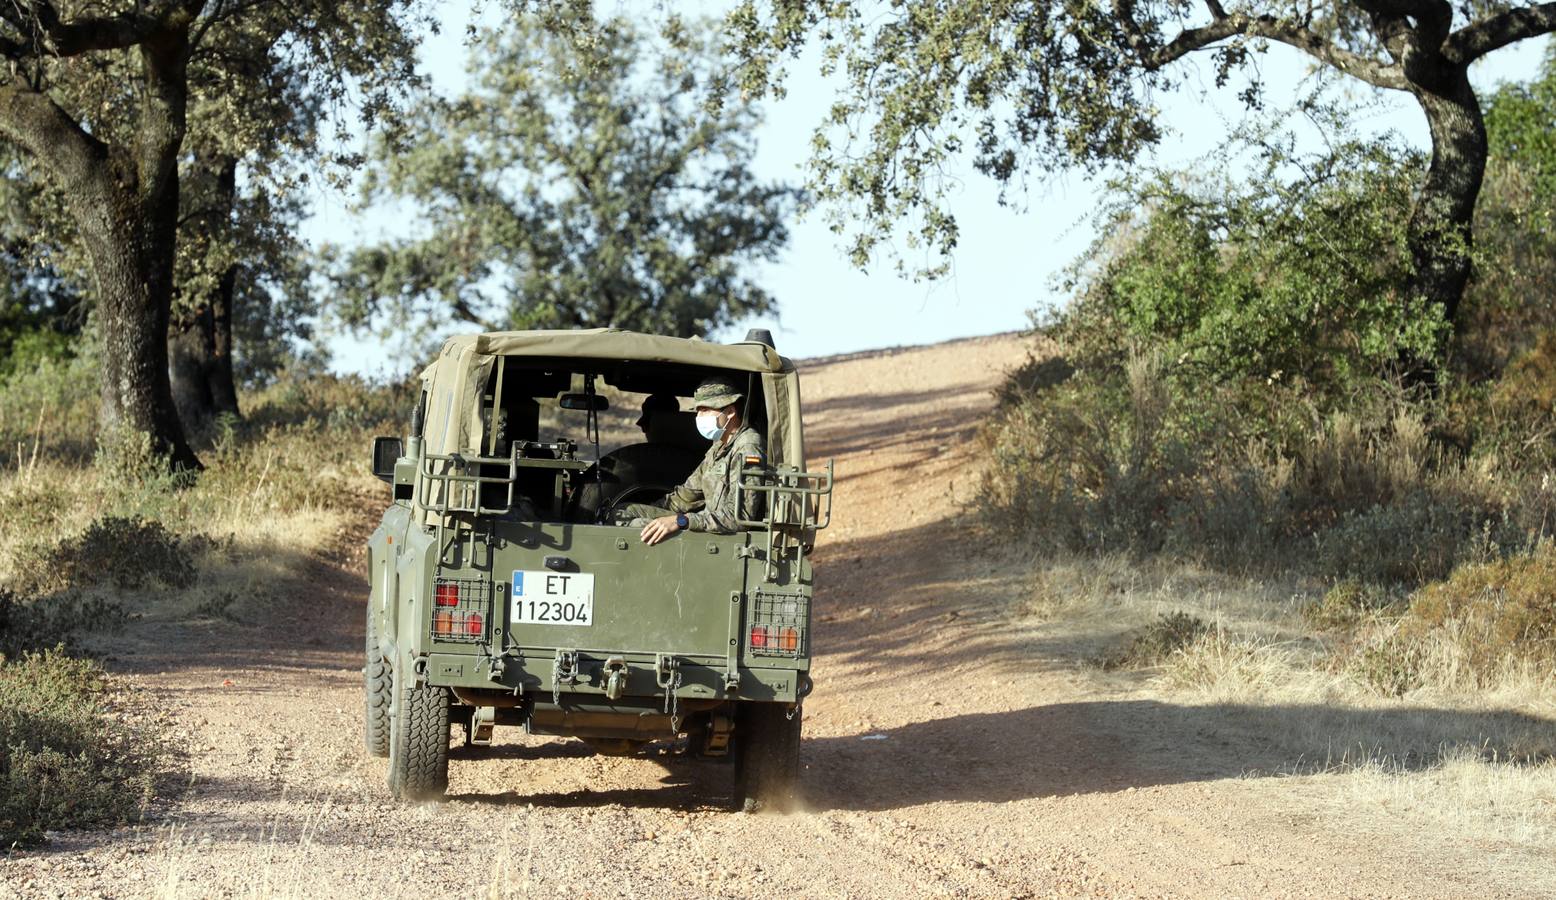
[
  {"x": 1156, "y": 643},
  {"x": 1227, "y": 387},
  {"x": 1349, "y": 602},
  {"x": 128, "y": 553},
  {"x": 70, "y": 755},
  {"x": 1495, "y": 611},
  {"x": 28, "y": 625}
]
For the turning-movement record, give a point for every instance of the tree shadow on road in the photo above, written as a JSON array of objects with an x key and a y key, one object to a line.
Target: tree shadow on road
[{"x": 1090, "y": 747}]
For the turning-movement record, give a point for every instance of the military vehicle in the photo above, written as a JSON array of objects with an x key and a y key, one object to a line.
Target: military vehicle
[{"x": 503, "y": 593}]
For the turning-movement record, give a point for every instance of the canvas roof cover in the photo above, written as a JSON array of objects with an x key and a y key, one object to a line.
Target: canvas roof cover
[{"x": 455, "y": 380}]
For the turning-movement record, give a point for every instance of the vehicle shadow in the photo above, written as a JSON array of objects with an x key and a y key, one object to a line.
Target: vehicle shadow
[
  {"x": 1091, "y": 747},
  {"x": 687, "y": 785}
]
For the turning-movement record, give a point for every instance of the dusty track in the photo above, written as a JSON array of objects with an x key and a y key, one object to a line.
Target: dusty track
[{"x": 949, "y": 749}]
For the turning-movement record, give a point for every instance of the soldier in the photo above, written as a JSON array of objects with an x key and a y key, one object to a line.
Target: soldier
[
  {"x": 652, "y": 405},
  {"x": 706, "y": 501}
]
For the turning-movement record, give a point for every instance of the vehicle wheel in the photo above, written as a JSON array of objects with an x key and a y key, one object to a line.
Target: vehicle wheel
[
  {"x": 376, "y": 690},
  {"x": 418, "y": 740},
  {"x": 767, "y": 756}
]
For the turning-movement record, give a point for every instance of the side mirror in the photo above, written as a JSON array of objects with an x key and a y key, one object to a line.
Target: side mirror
[
  {"x": 596, "y": 402},
  {"x": 386, "y": 452}
]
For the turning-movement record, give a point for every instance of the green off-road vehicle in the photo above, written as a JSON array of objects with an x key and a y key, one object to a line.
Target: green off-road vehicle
[{"x": 504, "y": 592}]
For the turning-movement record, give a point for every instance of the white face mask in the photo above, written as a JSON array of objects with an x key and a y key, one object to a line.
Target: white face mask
[{"x": 708, "y": 425}]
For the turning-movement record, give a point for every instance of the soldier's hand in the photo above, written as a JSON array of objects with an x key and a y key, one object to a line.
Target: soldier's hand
[{"x": 659, "y": 529}]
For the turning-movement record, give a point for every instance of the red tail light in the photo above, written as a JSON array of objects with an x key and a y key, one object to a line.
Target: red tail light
[
  {"x": 473, "y": 624},
  {"x": 759, "y": 635},
  {"x": 446, "y": 595}
]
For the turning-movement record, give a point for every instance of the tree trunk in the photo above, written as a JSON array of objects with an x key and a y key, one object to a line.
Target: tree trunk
[
  {"x": 200, "y": 352},
  {"x": 124, "y": 200},
  {"x": 130, "y": 219},
  {"x": 200, "y": 344},
  {"x": 224, "y": 384},
  {"x": 191, "y": 345},
  {"x": 132, "y": 241},
  {"x": 1440, "y": 228}
]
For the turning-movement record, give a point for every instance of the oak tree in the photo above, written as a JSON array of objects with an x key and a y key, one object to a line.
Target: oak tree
[
  {"x": 1040, "y": 84},
  {"x": 98, "y": 96},
  {"x": 587, "y": 178}
]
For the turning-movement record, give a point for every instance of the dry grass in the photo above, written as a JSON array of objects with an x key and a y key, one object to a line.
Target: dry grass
[
  {"x": 1504, "y": 813},
  {"x": 268, "y": 497},
  {"x": 1460, "y": 753}
]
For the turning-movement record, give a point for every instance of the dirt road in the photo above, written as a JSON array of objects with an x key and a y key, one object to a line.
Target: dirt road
[{"x": 950, "y": 749}]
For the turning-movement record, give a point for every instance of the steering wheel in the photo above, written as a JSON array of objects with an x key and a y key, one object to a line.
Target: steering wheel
[{"x": 603, "y": 515}]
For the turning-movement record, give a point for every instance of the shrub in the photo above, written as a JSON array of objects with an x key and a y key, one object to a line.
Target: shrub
[
  {"x": 1267, "y": 279},
  {"x": 1497, "y": 611},
  {"x": 70, "y": 757},
  {"x": 1488, "y": 623},
  {"x": 129, "y": 553},
  {"x": 1347, "y": 603},
  {"x": 1393, "y": 666},
  {"x": 49, "y": 410},
  {"x": 52, "y": 621},
  {"x": 1154, "y": 644}
]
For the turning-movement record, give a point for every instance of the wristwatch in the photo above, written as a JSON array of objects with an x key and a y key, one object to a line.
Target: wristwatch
[{"x": 681, "y": 521}]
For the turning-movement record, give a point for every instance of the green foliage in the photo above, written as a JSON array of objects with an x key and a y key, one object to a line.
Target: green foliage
[
  {"x": 1521, "y": 128},
  {"x": 271, "y": 86},
  {"x": 69, "y": 757},
  {"x": 1511, "y": 302},
  {"x": 1030, "y": 87},
  {"x": 580, "y": 183},
  {"x": 1278, "y": 278},
  {"x": 48, "y": 409},
  {"x": 1223, "y": 392}
]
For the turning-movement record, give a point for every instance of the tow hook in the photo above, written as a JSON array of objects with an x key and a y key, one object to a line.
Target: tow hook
[
  {"x": 667, "y": 674},
  {"x": 564, "y": 670},
  {"x": 615, "y": 678},
  {"x": 665, "y": 666}
]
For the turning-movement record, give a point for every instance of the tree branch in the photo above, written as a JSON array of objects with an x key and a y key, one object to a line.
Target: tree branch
[
  {"x": 1286, "y": 32},
  {"x": 56, "y": 37},
  {"x": 463, "y": 309},
  {"x": 31, "y": 120},
  {"x": 1476, "y": 40}
]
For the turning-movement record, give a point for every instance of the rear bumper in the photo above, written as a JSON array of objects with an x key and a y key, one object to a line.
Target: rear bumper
[{"x": 698, "y": 678}]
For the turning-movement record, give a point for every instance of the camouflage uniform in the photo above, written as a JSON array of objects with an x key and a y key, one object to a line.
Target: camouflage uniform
[{"x": 708, "y": 496}]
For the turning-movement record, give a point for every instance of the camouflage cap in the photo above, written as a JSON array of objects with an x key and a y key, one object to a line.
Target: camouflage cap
[{"x": 716, "y": 392}]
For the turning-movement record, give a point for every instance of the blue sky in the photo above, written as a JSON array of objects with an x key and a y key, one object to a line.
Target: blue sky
[{"x": 1007, "y": 260}]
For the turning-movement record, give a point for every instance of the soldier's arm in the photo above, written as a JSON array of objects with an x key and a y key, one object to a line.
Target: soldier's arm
[{"x": 753, "y": 504}]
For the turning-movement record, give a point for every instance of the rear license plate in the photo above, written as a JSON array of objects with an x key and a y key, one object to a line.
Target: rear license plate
[{"x": 552, "y": 598}]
